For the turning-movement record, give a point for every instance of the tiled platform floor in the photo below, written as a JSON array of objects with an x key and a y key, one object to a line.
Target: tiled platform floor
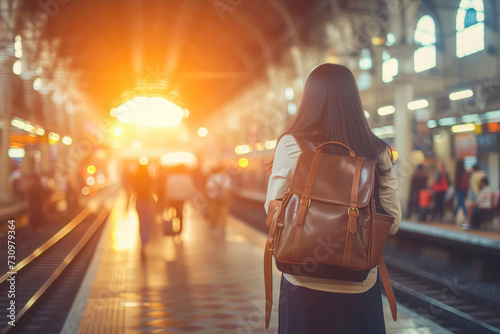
[{"x": 203, "y": 281}]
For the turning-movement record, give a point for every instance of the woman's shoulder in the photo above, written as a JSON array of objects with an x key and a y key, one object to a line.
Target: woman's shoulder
[
  {"x": 287, "y": 139},
  {"x": 287, "y": 148},
  {"x": 301, "y": 142},
  {"x": 286, "y": 143},
  {"x": 385, "y": 157}
]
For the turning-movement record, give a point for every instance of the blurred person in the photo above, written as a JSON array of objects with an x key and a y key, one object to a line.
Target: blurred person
[
  {"x": 60, "y": 187},
  {"x": 440, "y": 188},
  {"x": 425, "y": 203},
  {"x": 15, "y": 178},
  {"x": 418, "y": 182},
  {"x": 476, "y": 176},
  {"x": 484, "y": 201},
  {"x": 200, "y": 200},
  {"x": 142, "y": 186},
  {"x": 179, "y": 187},
  {"x": 37, "y": 195},
  {"x": 70, "y": 192},
  {"x": 217, "y": 188},
  {"x": 200, "y": 179},
  {"x": 331, "y": 110},
  {"x": 461, "y": 188},
  {"x": 48, "y": 182},
  {"x": 160, "y": 187},
  {"x": 126, "y": 178}
]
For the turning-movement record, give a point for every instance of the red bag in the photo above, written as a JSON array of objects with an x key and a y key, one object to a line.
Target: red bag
[
  {"x": 442, "y": 186},
  {"x": 425, "y": 198}
]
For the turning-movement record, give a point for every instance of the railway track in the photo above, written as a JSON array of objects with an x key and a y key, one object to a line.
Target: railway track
[
  {"x": 443, "y": 301},
  {"x": 45, "y": 282}
]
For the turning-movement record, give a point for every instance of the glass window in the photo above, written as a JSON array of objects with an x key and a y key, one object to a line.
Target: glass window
[
  {"x": 389, "y": 67},
  {"x": 391, "y": 39},
  {"x": 424, "y": 57},
  {"x": 470, "y": 27}
]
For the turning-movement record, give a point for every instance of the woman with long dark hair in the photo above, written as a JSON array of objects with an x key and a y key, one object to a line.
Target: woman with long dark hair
[{"x": 331, "y": 110}]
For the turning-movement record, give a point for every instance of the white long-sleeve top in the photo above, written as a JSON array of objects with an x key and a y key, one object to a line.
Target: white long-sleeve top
[{"x": 285, "y": 160}]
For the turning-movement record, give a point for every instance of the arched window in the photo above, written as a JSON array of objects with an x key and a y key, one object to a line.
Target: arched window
[
  {"x": 470, "y": 27},
  {"x": 424, "y": 57}
]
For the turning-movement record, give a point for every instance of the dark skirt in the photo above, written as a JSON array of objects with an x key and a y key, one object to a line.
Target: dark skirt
[{"x": 303, "y": 311}]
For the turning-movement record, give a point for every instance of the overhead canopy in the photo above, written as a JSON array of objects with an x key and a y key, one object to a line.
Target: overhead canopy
[{"x": 197, "y": 53}]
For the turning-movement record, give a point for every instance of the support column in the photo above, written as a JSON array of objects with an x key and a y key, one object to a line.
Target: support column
[
  {"x": 403, "y": 118},
  {"x": 5, "y": 118},
  {"x": 403, "y": 27},
  {"x": 403, "y": 124},
  {"x": 46, "y": 165}
]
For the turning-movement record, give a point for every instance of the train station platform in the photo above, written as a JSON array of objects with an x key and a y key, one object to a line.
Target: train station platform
[
  {"x": 10, "y": 210},
  {"x": 486, "y": 238},
  {"x": 205, "y": 281}
]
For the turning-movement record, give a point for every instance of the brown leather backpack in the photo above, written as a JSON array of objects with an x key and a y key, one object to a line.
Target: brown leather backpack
[{"x": 326, "y": 225}]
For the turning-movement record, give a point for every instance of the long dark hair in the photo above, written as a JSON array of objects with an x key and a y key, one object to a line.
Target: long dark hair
[{"x": 331, "y": 110}]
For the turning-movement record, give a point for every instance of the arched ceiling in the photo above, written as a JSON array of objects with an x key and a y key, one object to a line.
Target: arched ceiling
[{"x": 203, "y": 51}]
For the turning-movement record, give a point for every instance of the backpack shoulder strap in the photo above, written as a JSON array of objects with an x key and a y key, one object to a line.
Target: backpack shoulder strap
[{"x": 384, "y": 276}]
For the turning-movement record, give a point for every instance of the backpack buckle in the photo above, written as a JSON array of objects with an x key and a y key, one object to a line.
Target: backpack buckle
[
  {"x": 353, "y": 211},
  {"x": 270, "y": 244},
  {"x": 308, "y": 200}
]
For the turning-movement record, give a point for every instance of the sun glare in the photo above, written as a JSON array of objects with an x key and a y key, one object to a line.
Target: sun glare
[
  {"x": 155, "y": 112},
  {"x": 177, "y": 158}
]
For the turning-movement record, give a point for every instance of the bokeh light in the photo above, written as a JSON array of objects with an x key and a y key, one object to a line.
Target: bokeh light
[
  {"x": 67, "y": 140},
  {"x": 53, "y": 136},
  {"x": 395, "y": 154},
  {"x": 243, "y": 162},
  {"x": 101, "y": 179},
  {"x": 136, "y": 144},
  {"x": 90, "y": 181},
  {"x": 91, "y": 169},
  {"x": 202, "y": 132},
  {"x": 118, "y": 131}
]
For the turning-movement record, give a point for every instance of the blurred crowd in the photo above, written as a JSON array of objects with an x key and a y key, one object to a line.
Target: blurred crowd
[
  {"x": 466, "y": 200},
  {"x": 162, "y": 193},
  {"x": 44, "y": 194}
]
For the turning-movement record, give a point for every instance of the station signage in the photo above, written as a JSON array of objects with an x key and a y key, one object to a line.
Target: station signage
[
  {"x": 24, "y": 139},
  {"x": 490, "y": 127}
]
